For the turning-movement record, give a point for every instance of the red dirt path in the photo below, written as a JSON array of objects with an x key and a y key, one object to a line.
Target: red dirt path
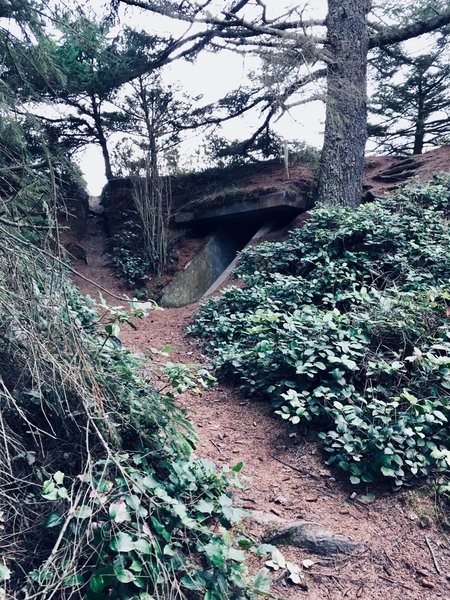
[{"x": 393, "y": 560}]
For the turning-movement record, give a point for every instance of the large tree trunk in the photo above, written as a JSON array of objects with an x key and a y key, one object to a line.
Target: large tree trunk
[
  {"x": 342, "y": 161},
  {"x": 419, "y": 134}
]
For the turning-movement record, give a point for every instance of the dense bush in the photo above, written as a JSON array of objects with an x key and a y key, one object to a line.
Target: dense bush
[
  {"x": 346, "y": 325},
  {"x": 128, "y": 256},
  {"x": 101, "y": 496}
]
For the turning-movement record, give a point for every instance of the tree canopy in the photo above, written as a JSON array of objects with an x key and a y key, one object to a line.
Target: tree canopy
[
  {"x": 411, "y": 105},
  {"x": 91, "y": 59},
  {"x": 340, "y": 43}
]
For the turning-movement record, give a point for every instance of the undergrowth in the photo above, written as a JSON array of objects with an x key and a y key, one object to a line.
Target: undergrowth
[
  {"x": 129, "y": 258},
  {"x": 100, "y": 493},
  {"x": 346, "y": 326}
]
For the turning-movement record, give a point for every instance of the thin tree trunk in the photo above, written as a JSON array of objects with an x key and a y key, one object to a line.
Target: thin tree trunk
[
  {"x": 149, "y": 123},
  {"x": 152, "y": 193},
  {"x": 419, "y": 134},
  {"x": 106, "y": 158},
  {"x": 101, "y": 138},
  {"x": 342, "y": 160}
]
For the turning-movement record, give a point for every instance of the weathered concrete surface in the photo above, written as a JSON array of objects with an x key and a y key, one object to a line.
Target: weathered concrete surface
[
  {"x": 202, "y": 271},
  {"x": 262, "y": 208},
  {"x": 227, "y": 272}
]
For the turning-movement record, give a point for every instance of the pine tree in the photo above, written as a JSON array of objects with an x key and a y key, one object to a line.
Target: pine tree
[{"x": 411, "y": 108}]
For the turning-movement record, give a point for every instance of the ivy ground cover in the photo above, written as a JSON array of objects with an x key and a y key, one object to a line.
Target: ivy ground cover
[{"x": 345, "y": 326}]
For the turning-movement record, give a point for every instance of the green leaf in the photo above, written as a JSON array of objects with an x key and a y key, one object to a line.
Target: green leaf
[
  {"x": 263, "y": 580},
  {"x": 58, "y": 477},
  {"x": 244, "y": 542},
  {"x": 297, "y": 578},
  {"x": 63, "y": 493},
  {"x": 118, "y": 512},
  {"x": 122, "y": 542},
  {"x": 168, "y": 550},
  {"x": 234, "y": 515},
  {"x": 5, "y": 573},
  {"x": 124, "y": 576},
  {"x": 368, "y": 498},
  {"x": 83, "y": 512},
  {"x": 160, "y": 529},
  {"x": 278, "y": 558},
  {"x": 388, "y": 472},
  {"x": 236, "y": 555},
  {"x": 52, "y": 520},
  {"x": 97, "y": 583},
  {"x": 264, "y": 549},
  {"x": 150, "y": 482},
  {"x": 204, "y": 507},
  {"x": 49, "y": 490},
  {"x": 134, "y": 502},
  {"x": 142, "y": 546},
  {"x": 167, "y": 349},
  {"x": 238, "y": 467},
  {"x": 41, "y": 575},
  {"x": 439, "y": 415},
  {"x": 136, "y": 566},
  {"x": 194, "y": 582}
]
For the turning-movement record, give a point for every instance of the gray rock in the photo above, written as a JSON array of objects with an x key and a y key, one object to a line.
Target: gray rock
[
  {"x": 263, "y": 518},
  {"x": 311, "y": 536},
  {"x": 281, "y": 500}
]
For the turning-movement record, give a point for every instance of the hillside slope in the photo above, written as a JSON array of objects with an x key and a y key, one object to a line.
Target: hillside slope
[{"x": 289, "y": 480}]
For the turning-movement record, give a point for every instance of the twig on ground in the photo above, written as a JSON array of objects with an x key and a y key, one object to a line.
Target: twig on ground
[
  {"x": 433, "y": 556},
  {"x": 297, "y": 469},
  {"x": 389, "y": 558},
  {"x": 396, "y": 582},
  {"x": 215, "y": 445}
]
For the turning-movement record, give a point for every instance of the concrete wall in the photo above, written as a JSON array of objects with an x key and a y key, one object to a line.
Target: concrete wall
[
  {"x": 261, "y": 208},
  {"x": 202, "y": 271}
]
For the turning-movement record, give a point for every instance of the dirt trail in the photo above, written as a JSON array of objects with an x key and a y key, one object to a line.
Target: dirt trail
[{"x": 288, "y": 477}]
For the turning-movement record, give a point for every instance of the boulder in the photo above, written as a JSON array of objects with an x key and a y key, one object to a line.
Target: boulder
[{"x": 312, "y": 537}]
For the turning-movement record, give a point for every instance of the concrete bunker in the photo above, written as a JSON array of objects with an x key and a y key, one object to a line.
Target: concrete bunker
[{"x": 228, "y": 229}]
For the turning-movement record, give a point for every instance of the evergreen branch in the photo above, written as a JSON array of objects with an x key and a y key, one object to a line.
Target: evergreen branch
[{"x": 393, "y": 35}]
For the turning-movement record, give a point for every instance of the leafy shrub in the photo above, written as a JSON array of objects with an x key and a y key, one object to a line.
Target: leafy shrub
[
  {"x": 345, "y": 325},
  {"x": 128, "y": 257},
  {"x": 101, "y": 495}
]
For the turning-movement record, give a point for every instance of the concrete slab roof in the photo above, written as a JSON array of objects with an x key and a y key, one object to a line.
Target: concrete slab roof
[{"x": 265, "y": 206}]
